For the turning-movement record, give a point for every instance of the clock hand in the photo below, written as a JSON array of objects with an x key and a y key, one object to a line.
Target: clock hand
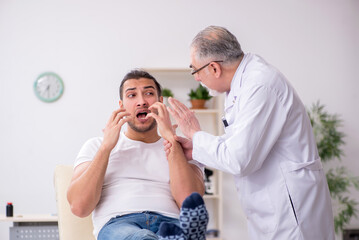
[{"x": 48, "y": 91}]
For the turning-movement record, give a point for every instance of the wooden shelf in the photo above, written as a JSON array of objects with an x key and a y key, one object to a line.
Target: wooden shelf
[{"x": 206, "y": 111}]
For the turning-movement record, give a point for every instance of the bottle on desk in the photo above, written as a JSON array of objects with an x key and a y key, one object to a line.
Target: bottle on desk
[{"x": 9, "y": 209}]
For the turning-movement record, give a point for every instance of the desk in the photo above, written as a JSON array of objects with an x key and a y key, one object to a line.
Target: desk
[{"x": 33, "y": 227}]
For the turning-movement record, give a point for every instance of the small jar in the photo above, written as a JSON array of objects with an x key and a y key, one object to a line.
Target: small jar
[{"x": 9, "y": 210}]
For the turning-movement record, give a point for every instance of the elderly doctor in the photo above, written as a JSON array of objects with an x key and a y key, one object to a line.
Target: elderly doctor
[{"x": 268, "y": 146}]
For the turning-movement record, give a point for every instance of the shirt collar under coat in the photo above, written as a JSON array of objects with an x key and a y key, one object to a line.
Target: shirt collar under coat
[{"x": 236, "y": 83}]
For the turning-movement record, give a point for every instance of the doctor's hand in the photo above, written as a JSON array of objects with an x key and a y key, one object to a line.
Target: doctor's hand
[
  {"x": 113, "y": 128},
  {"x": 186, "y": 145},
  {"x": 185, "y": 118}
]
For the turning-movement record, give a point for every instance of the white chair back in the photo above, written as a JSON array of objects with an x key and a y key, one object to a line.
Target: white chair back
[{"x": 71, "y": 227}]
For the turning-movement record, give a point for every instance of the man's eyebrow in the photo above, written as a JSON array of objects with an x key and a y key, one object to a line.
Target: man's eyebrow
[
  {"x": 149, "y": 87},
  {"x": 129, "y": 89},
  {"x": 134, "y": 88}
]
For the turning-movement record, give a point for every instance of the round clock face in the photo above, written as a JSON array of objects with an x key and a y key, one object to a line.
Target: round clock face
[{"x": 48, "y": 87}]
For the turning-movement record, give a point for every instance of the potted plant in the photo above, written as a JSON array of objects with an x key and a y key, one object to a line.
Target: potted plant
[
  {"x": 330, "y": 142},
  {"x": 198, "y": 97},
  {"x": 166, "y": 93}
]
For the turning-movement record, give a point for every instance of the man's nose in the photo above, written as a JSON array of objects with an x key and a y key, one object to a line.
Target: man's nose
[{"x": 142, "y": 102}]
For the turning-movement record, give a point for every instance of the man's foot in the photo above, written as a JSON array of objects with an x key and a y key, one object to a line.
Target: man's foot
[
  {"x": 193, "y": 221},
  {"x": 169, "y": 231},
  {"x": 194, "y": 217}
]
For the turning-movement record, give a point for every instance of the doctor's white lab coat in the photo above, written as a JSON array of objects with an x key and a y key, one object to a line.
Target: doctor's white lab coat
[{"x": 270, "y": 149}]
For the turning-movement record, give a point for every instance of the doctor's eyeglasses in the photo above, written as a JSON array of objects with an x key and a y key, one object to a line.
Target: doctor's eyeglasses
[{"x": 194, "y": 71}]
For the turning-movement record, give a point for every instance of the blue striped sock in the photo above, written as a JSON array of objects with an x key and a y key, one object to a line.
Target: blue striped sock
[
  {"x": 170, "y": 231},
  {"x": 194, "y": 217}
]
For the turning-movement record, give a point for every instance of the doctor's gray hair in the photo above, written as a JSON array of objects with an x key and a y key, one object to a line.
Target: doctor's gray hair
[{"x": 217, "y": 43}]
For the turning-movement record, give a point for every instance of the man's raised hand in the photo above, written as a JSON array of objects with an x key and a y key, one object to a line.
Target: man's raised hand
[{"x": 113, "y": 128}]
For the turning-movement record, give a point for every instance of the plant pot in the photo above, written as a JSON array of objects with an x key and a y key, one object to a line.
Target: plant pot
[{"x": 198, "y": 103}]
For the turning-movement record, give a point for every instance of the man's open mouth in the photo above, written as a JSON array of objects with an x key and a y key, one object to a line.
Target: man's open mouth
[{"x": 142, "y": 114}]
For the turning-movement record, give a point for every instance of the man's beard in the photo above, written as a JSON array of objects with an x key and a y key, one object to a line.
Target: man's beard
[
  {"x": 141, "y": 130},
  {"x": 212, "y": 92}
]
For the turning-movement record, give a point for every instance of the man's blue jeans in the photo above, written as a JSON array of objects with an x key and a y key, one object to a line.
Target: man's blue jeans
[{"x": 135, "y": 226}]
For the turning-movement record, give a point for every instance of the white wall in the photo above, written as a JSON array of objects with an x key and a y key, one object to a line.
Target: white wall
[{"x": 91, "y": 45}]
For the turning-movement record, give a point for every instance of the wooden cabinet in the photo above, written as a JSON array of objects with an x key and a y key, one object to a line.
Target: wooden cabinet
[{"x": 180, "y": 82}]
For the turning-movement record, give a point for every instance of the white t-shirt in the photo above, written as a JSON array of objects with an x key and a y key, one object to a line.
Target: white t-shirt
[{"x": 136, "y": 180}]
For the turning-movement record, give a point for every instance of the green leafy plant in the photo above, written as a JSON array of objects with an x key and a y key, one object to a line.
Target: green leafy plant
[
  {"x": 330, "y": 141},
  {"x": 167, "y": 92},
  {"x": 199, "y": 93}
]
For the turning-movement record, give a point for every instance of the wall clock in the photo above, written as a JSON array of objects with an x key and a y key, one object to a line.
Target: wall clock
[{"x": 48, "y": 87}]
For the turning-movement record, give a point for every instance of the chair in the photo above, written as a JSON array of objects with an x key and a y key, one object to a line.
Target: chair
[{"x": 70, "y": 226}]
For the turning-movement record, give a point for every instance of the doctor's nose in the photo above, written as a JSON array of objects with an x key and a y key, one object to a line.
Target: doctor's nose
[{"x": 197, "y": 78}]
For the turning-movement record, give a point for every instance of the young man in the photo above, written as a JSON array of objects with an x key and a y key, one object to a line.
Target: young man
[{"x": 124, "y": 178}]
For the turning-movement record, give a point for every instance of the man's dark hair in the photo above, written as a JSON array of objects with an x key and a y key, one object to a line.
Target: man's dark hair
[{"x": 137, "y": 74}]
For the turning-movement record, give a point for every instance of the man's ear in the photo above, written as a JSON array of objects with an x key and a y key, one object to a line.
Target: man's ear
[
  {"x": 216, "y": 69},
  {"x": 120, "y": 103},
  {"x": 161, "y": 99}
]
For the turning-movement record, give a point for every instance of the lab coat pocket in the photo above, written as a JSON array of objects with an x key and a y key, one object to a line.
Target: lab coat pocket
[
  {"x": 302, "y": 181},
  {"x": 260, "y": 211}
]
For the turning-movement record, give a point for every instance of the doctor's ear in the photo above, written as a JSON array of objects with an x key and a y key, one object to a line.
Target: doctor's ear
[
  {"x": 120, "y": 103},
  {"x": 216, "y": 69}
]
